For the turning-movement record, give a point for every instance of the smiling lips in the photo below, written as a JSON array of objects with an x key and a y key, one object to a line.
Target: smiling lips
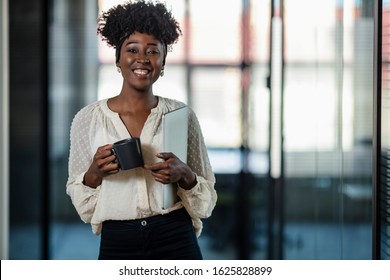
[{"x": 141, "y": 72}]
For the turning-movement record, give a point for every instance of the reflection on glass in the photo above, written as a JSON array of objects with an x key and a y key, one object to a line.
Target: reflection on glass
[
  {"x": 216, "y": 99},
  {"x": 327, "y": 135},
  {"x": 259, "y": 108},
  {"x": 173, "y": 83},
  {"x": 215, "y": 31},
  {"x": 260, "y": 30},
  {"x": 385, "y": 137},
  {"x": 310, "y": 108}
]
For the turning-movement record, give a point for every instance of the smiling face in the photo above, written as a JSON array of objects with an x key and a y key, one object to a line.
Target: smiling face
[{"x": 141, "y": 60}]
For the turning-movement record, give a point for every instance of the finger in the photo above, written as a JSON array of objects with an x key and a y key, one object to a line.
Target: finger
[
  {"x": 109, "y": 168},
  {"x": 156, "y": 166},
  {"x": 102, "y": 149},
  {"x": 102, "y": 154},
  {"x": 162, "y": 178},
  {"x": 165, "y": 155},
  {"x": 106, "y": 160},
  {"x": 112, "y": 168},
  {"x": 106, "y": 147}
]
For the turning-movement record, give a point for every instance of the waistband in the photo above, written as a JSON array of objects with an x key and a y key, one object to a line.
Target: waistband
[{"x": 182, "y": 212}]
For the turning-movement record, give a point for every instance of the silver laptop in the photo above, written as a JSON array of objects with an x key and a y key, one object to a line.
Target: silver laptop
[{"x": 175, "y": 137}]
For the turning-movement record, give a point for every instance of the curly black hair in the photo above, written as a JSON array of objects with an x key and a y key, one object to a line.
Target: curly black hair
[{"x": 153, "y": 18}]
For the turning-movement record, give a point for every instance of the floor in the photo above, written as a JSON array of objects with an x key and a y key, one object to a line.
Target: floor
[{"x": 76, "y": 242}]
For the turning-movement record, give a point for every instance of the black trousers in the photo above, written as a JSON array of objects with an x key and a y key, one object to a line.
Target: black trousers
[{"x": 162, "y": 237}]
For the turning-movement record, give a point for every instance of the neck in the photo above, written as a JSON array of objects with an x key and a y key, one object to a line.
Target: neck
[{"x": 133, "y": 102}]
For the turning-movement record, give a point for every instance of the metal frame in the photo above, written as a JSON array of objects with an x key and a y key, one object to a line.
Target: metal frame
[
  {"x": 376, "y": 240},
  {"x": 45, "y": 142},
  {"x": 4, "y": 131},
  {"x": 276, "y": 152}
]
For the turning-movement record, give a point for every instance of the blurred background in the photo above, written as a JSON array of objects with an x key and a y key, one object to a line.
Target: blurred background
[{"x": 293, "y": 97}]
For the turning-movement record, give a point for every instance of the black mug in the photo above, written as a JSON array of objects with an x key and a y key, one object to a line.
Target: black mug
[{"x": 128, "y": 153}]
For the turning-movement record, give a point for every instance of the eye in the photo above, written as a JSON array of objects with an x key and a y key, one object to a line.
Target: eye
[
  {"x": 131, "y": 50},
  {"x": 153, "y": 52}
]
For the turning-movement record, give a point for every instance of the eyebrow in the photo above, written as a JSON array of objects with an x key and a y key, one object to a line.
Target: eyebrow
[{"x": 135, "y": 42}]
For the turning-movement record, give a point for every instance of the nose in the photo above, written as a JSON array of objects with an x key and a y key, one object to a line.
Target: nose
[{"x": 143, "y": 60}]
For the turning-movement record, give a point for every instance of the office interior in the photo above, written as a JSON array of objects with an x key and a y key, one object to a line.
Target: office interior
[{"x": 293, "y": 97}]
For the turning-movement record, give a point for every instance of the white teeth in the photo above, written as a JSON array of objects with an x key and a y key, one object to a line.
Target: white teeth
[{"x": 141, "y": 72}]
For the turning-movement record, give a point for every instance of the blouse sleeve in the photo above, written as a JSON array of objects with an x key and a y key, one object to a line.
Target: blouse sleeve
[
  {"x": 201, "y": 199},
  {"x": 83, "y": 197}
]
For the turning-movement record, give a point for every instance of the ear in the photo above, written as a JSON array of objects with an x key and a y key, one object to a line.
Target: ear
[{"x": 165, "y": 47}]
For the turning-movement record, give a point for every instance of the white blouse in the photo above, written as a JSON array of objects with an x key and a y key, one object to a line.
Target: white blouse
[{"x": 134, "y": 194}]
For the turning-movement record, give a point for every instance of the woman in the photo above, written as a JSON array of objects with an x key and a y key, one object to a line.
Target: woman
[{"x": 125, "y": 207}]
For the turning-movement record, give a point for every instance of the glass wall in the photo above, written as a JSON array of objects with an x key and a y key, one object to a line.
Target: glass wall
[
  {"x": 74, "y": 72},
  {"x": 285, "y": 103},
  {"x": 328, "y": 100},
  {"x": 27, "y": 152}
]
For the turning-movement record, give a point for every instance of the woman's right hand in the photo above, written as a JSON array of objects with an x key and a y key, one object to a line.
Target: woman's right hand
[{"x": 103, "y": 164}]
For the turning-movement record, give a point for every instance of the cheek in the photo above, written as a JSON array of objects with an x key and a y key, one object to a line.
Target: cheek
[
  {"x": 129, "y": 59},
  {"x": 159, "y": 62},
  {"x": 157, "y": 65}
]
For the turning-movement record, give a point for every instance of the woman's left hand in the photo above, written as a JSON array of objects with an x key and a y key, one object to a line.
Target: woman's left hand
[{"x": 172, "y": 170}]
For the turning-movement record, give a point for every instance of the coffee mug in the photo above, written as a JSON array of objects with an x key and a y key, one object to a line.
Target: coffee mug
[{"x": 128, "y": 153}]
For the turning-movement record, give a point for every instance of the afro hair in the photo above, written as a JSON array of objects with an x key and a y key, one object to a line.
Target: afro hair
[{"x": 153, "y": 18}]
